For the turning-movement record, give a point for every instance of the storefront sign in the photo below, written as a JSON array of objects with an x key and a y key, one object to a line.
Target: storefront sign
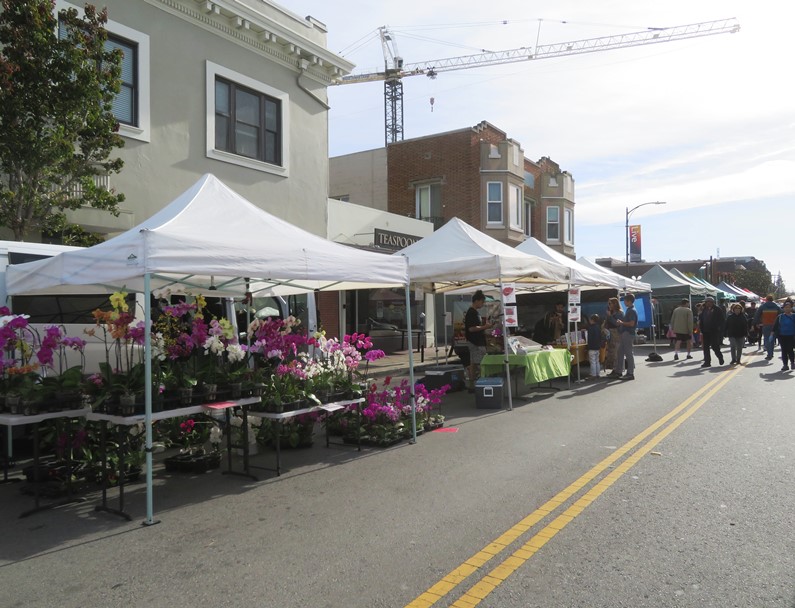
[{"x": 394, "y": 241}]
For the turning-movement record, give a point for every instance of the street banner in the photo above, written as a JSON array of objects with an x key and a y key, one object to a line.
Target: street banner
[{"x": 634, "y": 243}]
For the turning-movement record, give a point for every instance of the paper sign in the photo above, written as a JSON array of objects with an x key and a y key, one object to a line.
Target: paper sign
[
  {"x": 448, "y": 319},
  {"x": 511, "y": 318},
  {"x": 574, "y": 313},
  {"x": 509, "y": 294},
  {"x": 419, "y": 294},
  {"x": 574, "y": 296}
]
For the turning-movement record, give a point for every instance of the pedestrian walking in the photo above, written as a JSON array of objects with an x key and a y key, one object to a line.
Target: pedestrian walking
[
  {"x": 595, "y": 340},
  {"x": 626, "y": 341},
  {"x": 682, "y": 326},
  {"x": 784, "y": 330},
  {"x": 711, "y": 324},
  {"x": 736, "y": 331},
  {"x": 612, "y": 316},
  {"x": 766, "y": 316}
]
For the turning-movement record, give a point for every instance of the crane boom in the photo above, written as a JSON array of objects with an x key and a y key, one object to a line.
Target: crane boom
[{"x": 392, "y": 75}]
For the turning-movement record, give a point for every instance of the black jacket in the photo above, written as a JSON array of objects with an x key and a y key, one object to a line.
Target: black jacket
[
  {"x": 736, "y": 325},
  {"x": 712, "y": 323}
]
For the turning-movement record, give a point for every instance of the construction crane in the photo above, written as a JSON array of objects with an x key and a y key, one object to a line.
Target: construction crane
[{"x": 395, "y": 70}]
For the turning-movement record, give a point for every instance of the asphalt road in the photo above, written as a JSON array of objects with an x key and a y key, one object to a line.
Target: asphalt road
[{"x": 675, "y": 490}]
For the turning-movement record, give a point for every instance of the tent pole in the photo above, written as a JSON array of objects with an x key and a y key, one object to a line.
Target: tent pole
[
  {"x": 505, "y": 349},
  {"x": 411, "y": 367},
  {"x": 148, "y": 397}
]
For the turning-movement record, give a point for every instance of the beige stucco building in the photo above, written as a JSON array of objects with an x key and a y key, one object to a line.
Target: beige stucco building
[{"x": 236, "y": 88}]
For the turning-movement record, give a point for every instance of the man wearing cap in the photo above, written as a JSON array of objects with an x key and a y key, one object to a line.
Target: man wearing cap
[
  {"x": 711, "y": 323},
  {"x": 764, "y": 319}
]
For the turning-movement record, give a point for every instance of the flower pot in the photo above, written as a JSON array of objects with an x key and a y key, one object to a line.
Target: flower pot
[
  {"x": 236, "y": 389},
  {"x": 14, "y": 404},
  {"x": 193, "y": 463},
  {"x": 210, "y": 392},
  {"x": 257, "y": 389},
  {"x": 126, "y": 404},
  {"x": 186, "y": 395}
]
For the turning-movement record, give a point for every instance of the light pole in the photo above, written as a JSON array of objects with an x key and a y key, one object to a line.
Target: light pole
[{"x": 626, "y": 226}]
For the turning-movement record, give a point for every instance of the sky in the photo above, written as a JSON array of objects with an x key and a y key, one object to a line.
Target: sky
[{"x": 706, "y": 125}]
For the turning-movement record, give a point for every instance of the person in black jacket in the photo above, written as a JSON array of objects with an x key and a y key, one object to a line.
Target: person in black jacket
[
  {"x": 711, "y": 323},
  {"x": 474, "y": 329},
  {"x": 736, "y": 331}
]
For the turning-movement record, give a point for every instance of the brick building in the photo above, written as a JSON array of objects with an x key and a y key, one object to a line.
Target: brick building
[{"x": 477, "y": 174}]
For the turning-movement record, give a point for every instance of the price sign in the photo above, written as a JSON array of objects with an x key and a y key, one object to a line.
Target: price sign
[
  {"x": 574, "y": 313},
  {"x": 574, "y": 295},
  {"x": 509, "y": 294},
  {"x": 511, "y": 318}
]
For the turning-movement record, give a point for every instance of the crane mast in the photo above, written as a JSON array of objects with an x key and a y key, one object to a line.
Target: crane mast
[{"x": 395, "y": 69}]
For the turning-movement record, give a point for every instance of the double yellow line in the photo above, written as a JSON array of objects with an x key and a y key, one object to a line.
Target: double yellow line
[{"x": 490, "y": 580}]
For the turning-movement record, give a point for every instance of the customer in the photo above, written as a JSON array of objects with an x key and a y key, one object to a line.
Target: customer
[
  {"x": 595, "y": 340},
  {"x": 682, "y": 326},
  {"x": 696, "y": 331},
  {"x": 784, "y": 330},
  {"x": 613, "y": 315},
  {"x": 711, "y": 324},
  {"x": 626, "y": 341},
  {"x": 754, "y": 335},
  {"x": 764, "y": 319},
  {"x": 474, "y": 330},
  {"x": 736, "y": 331}
]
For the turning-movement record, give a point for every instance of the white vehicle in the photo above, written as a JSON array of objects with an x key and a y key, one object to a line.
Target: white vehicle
[{"x": 73, "y": 312}]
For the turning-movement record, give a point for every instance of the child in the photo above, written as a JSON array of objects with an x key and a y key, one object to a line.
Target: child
[{"x": 595, "y": 340}]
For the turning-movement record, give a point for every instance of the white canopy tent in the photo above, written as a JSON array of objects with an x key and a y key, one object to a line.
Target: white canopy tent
[
  {"x": 457, "y": 257},
  {"x": 579, "y": 274},
  {"x": 209, "y": 240},
  {"x": 621, "y": 282}
]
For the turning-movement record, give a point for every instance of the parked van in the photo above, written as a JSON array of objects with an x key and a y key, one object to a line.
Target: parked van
[{"x": 73, "y": 313}]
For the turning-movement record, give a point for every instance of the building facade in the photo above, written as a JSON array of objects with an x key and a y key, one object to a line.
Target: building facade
[
  {"x": 477, "y": 174},
  {"x": 236, "y": 88}
]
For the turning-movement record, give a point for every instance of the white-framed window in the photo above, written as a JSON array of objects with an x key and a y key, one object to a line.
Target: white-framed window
[
  {"x": 494, "y": 203},
  {"x": 131, "y": 106},
  {"x": 553, "y": 182},
  {"x": 517, "y": 157},
  {"x": 494, "y": 151},
  {"x": 528, "y": 218},
  {"x": 568, "y": 226},
  {"x": 529, "y": 179},
  {"x": 428, "y": 200},
  {"x": 247, "y": 121},
  {"x": 553, "y": 224},
  {"x": 515, "y": 207}
]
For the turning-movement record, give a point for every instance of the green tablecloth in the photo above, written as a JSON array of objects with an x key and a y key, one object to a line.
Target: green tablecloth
[{"x": 539, "y": 366}]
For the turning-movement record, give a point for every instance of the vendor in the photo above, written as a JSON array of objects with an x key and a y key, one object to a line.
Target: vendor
[
  {"x": 548, "y": 329},
  {"x": 474, "y": 330}
]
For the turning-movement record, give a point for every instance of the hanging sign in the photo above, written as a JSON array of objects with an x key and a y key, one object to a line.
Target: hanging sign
[
  {"x": 511, "y": 318},
  {"x": 574, "y": 313},
  {"x": 509, "y": 293},
  {"x": 574, "y": 295},
  {"x": 419, "y": 294}
]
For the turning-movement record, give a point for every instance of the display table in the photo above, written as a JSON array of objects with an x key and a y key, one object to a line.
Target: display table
[
  {"x": 539, "y": 366},
  {"x": 12, "y": 420},
  {"x": 280, "y": 416},
  {"x": 126, "y": 421},
  {"x": 578, "y": 351}
]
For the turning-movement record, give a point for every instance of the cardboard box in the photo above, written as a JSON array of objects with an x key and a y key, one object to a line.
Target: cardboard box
[{"x": 490, "y": 393}]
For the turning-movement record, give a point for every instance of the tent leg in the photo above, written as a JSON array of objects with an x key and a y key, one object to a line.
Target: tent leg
[
  {"x": 505, "y": 351},
  {"x": 148, "y": 397},
  {"x": 411, "y": 367}
]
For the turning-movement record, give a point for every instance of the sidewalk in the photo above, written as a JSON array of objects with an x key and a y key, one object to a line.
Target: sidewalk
[{"x": 397, "y": 363}]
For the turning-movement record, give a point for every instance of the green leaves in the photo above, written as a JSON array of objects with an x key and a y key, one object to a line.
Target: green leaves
[{"x": 56, "y": 124}]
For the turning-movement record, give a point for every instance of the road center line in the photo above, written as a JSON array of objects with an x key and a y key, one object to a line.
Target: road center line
[{"x": 489, "y": 582}]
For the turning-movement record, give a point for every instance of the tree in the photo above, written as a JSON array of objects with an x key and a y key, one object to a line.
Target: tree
[{"x": 57, "y": 129}]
